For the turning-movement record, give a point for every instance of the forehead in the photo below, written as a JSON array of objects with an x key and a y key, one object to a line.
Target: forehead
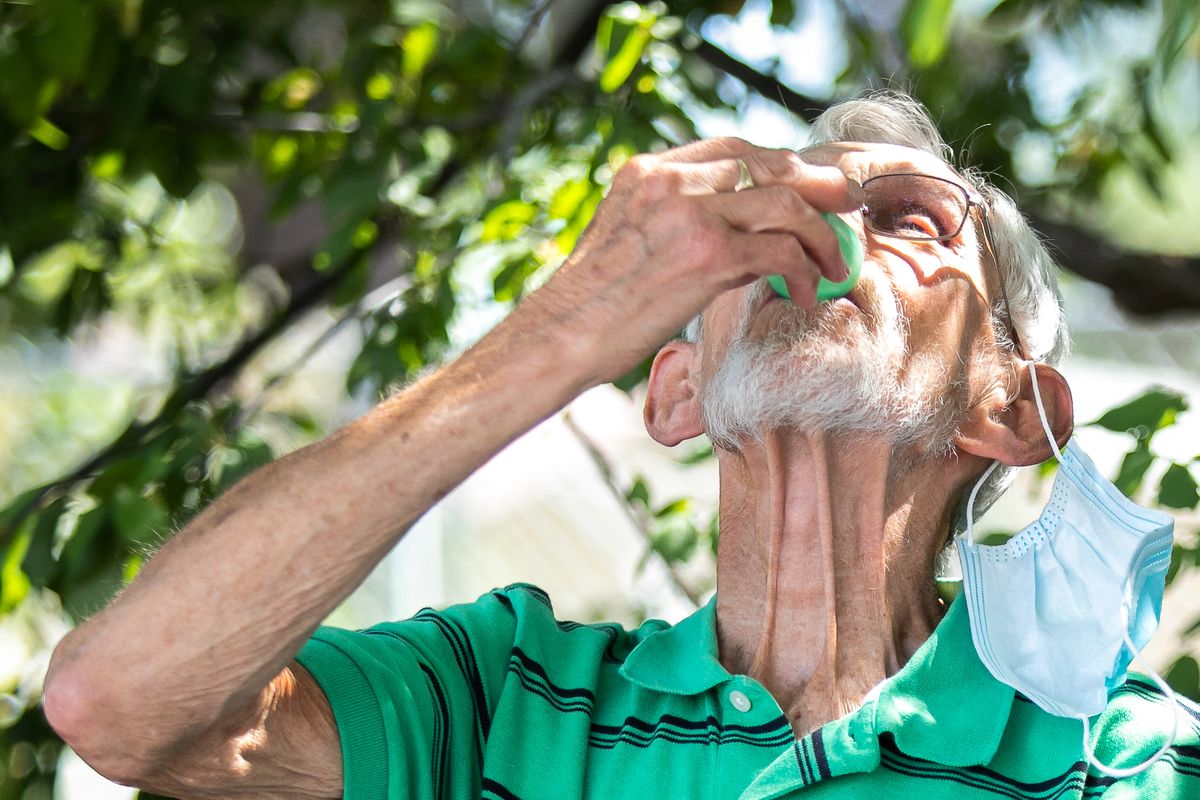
[{"x": 863, "y": 160}]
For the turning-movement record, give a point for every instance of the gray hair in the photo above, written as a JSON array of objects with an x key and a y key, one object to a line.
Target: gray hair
[{"x": 1027, "y": 271}]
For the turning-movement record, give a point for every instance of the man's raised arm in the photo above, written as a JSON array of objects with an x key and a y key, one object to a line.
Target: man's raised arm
[{"x": 186, "y": 683}]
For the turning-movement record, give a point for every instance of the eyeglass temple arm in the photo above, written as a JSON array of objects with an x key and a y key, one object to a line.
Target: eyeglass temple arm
[{"x": 988, "y": 239}]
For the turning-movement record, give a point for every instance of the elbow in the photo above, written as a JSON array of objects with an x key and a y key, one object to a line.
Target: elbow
[{"x": 75, "y": 708}]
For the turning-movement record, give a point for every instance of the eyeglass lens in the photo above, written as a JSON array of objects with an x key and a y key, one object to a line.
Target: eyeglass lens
[{"x": 914, "y": 206}]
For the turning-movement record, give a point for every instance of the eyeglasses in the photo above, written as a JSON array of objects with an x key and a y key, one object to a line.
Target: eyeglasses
[
  {"x": 916, "y": 207},
  {"x": 919, "y": 207}
]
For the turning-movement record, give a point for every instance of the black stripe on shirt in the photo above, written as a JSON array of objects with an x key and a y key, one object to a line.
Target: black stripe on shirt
[
  {"x": 800, "y": 762},
  {"x": 533, "y": 686},
  {"x": 981, "y": 777},
  {"x": 818, "y": 747},
  {"x": 537, "y": 669},
  {"x": 468, "y": 667},
  {"x": 641, "y": 733},
  {"x": 965, "y": 778},
  {"x": 441, "y": 731},
  {"x": 492, "y": 787},
  {"x": 475, "y": 681},
  {"x": 676, "y": 738},
  {"x": 709, "y": 722}
]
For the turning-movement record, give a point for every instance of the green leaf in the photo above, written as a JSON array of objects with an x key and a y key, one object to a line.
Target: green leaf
[
  {"x": 674, "y": 507},
  {"x": 622, "y": 37},
  {"x": 518, "y": 267},
  {"x": 88, "y": 595},
  {"x": 14, "y": 585},
  {"x": 228, "y": 465},
  {"x": 1184, "y": 677},
  {"x": 419, "y": 45},
  {"x": 1009, "y": 12},
  {"x": 39, "y": 564},
  {"x": 507, "y": 221},
  {"x": 638, "y": 493},
  {"x": 140, "y": 519},
  {"x": 49, "y": 134},
  {"x": 1178, "y": 27},
  {"x": 1178, "y": 555},
  {"x": 1152, "y": 411},
  {"x": 1177, "y": 489},
  {"x": 697, "y": 456},
  {"x": 21, "y": 88},
  {"x": 64, "y": 38},
  {"x": 635, "y": 377},
  {"x": 925, "y": 28},
  {"x": 994, "y": 538},
  {"x": 783, "y": 12},
  {"x": 676, "y": 541},
  {"x": 1133, "y": 468},
  {"x": 567, "y": 199},
  {"x": 88, "y": 544}
]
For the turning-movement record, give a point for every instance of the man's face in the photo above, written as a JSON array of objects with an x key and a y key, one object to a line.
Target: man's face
[{"x": 904, "y": 355}]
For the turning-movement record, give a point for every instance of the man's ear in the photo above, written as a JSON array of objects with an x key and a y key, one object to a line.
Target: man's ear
[
  {"x": 672, "y": 411},
  {"x": 1012, "y": 433}
]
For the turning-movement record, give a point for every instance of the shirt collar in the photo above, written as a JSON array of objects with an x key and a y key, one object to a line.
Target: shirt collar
[
  {"x": 681, "y": 659},
  {"x": 942, "y": 706}
]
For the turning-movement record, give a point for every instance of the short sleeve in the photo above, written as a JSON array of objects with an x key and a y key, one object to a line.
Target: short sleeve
[{"x": 413, "y": 700}]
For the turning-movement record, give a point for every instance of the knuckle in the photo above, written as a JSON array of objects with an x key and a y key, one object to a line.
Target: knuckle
[
  {"x": 795, "y": 203},
  {"x": 635, "y": 169},
  {"x": 664, "y": 180},
  {"x": 781, "y": 166},
  {"x": 647, "y": 183}
]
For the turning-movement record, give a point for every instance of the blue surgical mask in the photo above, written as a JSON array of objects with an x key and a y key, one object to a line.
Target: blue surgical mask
[{"x": 1060, "y": 610}]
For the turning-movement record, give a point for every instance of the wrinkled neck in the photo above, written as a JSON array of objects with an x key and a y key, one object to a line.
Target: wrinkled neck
[{"x": 825, "y": 567}]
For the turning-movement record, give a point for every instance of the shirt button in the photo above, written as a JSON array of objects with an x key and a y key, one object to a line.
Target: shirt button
[{"x": 739, "y": 700}]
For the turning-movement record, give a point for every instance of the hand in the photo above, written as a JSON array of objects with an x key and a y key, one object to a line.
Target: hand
[{"x": 672, "y": 235}]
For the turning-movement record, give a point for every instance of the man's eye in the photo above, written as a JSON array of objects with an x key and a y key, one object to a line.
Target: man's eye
[{"x": 919, "y": 223}]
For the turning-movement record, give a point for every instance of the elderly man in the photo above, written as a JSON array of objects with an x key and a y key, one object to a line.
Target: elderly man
[{"x": 847, "y": 433}]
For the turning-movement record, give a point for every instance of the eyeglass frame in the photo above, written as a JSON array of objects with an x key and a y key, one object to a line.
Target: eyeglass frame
[{"x": 972, "y": 199}]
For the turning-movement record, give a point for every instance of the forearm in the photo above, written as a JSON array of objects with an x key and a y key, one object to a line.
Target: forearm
[{"x": 231, "y": 599}]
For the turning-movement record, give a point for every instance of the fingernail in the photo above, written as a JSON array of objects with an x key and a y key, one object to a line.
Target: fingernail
[{"x": 857, "y": 195}]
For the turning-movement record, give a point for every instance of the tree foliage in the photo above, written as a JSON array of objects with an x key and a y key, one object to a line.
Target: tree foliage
[{"x": 397, "y": 148}]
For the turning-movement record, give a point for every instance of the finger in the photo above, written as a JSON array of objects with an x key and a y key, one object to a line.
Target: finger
[
  {"x": 825, "y": 187},
  {"x": 757, "y": 255},
  {"x": 704, "y": 150},
  {"x": 781, "y": 209}
]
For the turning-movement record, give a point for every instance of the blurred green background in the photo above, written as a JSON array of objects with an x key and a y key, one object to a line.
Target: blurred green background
[{"x": 226, "y": 228}]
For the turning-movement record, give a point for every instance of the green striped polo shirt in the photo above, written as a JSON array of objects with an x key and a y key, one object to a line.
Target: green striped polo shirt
[{"x": 498, "y": 699}]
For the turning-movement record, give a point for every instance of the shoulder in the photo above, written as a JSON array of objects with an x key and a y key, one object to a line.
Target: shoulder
[
  {"x": 1137, "y": 722},
  {"x": 538, "y": 629},
  {"x": 501, "y": 625}
]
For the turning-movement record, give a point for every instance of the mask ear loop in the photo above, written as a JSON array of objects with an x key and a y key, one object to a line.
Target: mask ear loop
[
  {"x": 1125, "y": 772},
  {"x": 1037, "y": 398},
  {"x": 1112, "y": 772}
]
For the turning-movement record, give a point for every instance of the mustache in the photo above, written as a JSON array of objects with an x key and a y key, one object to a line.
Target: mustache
[{"x": 878, "y": 308}]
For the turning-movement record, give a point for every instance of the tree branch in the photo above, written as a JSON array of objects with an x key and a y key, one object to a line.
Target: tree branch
[
  {"x": 190, "y": 388},
  {"x": 768, "y": 86},
  {"x": 1144, "y": 284},
  {"x": 195, "y": 387},
  {"x": 1141, "y": 284}
]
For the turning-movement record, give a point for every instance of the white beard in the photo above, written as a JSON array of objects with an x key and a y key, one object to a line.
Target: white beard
[{"x": 835, "y": 371}]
